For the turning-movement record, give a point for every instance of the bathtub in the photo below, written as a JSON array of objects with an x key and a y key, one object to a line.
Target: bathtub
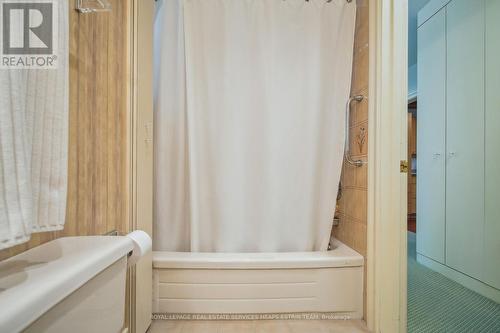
[{"x": 257, "y": 283}]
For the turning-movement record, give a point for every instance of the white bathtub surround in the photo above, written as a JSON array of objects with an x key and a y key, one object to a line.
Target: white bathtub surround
[
  {"x": 253, "y": 146},
  {"x": 71, "y": 284},
  {"x": 250, "y": 283},
  {"x": 34, "y": 145}
]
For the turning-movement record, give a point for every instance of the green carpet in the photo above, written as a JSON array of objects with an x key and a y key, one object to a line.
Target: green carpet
[{"x": 438, "y": 304}]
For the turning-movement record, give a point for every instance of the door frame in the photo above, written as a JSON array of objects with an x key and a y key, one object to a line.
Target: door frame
[
  {"x": 387, "y": 185},
  {"x": 140, "y": 157}
]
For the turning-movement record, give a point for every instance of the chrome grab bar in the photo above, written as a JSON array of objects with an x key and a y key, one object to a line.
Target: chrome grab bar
[{"x": 347, "y": 145}]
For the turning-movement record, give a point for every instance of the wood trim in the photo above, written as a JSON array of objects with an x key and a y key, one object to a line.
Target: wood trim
[
  {"x": 386, "y": 296},
  {"x": 141, "y": 158},
  {"x": 129, "y": 165}
]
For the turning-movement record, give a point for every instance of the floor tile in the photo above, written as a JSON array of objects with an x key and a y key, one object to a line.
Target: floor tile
[
  {"x": 272, "y": 326},
  {"x": 162, "y": 326},
  {"x": 307, "y": 326},
  {"x": 201, "y": 327},
  {"x": 438, "y": 304},
  {"x": 238, "y": 326}
]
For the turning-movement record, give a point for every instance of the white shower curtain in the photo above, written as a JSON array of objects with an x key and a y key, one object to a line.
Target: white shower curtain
[{"x": 250, "y": 123}]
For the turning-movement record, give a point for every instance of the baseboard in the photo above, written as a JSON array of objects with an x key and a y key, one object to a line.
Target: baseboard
[{"x": 465, "y": 280}]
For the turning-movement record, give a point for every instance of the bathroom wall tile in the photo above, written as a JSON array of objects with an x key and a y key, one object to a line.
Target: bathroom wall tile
[
  {"x": 355, "y": 206},
  {"x": 339, "y": 205},
  {"x": 343, "y": 231},
  {"x": 360, "y": 70},
  {"x": 348, "y": 231},
  {"x": 353, "y": 176},
  {"x": 362, "y": 32},
  {"x": 359, "y": 238},
  {"x": 352, "y": 207},
  {"x": 339, "y": 231},
  {"x": 362, "y": 14},
  {"x": 348, "y": 175},
  {"x": 359, "y": 139},
  {"x": 360, "y": 110},
  {"x": 361, "y": 40},
  {"x": 361, "y": 176}
]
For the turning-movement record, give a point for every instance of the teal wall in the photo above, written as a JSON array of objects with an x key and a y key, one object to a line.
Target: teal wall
[{"x": 414, "y": 7}]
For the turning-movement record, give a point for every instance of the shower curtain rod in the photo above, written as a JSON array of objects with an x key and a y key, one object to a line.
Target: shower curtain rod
[{"x": 348, "y": 1}]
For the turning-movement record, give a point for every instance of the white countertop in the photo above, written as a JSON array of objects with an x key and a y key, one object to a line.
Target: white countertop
[{"x": 34, "y": 281}]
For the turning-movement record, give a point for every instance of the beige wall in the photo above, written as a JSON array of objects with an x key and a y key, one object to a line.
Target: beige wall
[
  {"x": 99, "y": 92},
  {"x": 352, "y": 207}
]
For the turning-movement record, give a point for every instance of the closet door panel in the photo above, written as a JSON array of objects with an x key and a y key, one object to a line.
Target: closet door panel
[
  {"x": 465, "y": 136},
  {"x": 492, "y": 150},
  {"x": 431, "y": 120}
]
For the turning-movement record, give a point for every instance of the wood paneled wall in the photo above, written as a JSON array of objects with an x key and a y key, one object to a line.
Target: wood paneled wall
[
  {"x": 352, "y": 208},
  {"x": 98, "y": 142}
]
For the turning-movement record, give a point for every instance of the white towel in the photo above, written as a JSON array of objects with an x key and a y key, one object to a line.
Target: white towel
[{"x": 34, "y": 145}]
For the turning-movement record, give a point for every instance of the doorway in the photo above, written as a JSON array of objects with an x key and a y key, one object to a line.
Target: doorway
[{"x": 453, "y": 227}]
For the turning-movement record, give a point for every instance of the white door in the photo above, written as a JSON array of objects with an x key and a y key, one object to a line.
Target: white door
[
  {"x": 431, "y": 137},
  {"x": 465, "y": 136}
]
